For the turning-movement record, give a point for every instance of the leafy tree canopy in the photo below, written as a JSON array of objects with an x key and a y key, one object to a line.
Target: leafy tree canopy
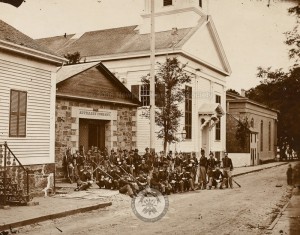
[
  {"x": 170, "y": 92},
  {"x": 281, "y": 90}
]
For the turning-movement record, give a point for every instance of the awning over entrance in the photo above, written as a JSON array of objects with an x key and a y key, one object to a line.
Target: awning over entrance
[
  {"x": 210, "y": 114},
  {"x": 211, "y": 109},
  {"x": 252, "y": 130}
]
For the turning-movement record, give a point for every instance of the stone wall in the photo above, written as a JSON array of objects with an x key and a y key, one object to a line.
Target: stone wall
[
  {"x": 119, "y": 134},
  {"x": 37, "y": 177}
]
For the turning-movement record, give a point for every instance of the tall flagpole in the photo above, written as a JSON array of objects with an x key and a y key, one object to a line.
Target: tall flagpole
[{"x": 152, "y": 80}]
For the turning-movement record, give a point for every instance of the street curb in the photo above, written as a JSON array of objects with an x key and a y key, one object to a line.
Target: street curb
[
  {"x": 53, "y": 216},
  {"x": 275, "y": 221},
  {"x": 244, "y": 173}
]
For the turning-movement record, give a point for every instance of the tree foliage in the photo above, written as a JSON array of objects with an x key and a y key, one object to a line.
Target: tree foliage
[
  {"x": 242, "y": 131},
  {"x": 293, "y": 36},
  {"x": 281, "y": 90},
  {"x": 169, "y": 81},
  {"x": 73, "y": 58},
  {"x": 233, "y": 91}
]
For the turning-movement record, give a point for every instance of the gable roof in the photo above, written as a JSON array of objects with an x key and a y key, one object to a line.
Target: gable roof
[
  {"x": 69, "y": 71},
  {"x": 126, "y": 42},
  {"x": 13, "y": 39},
  {"x": 112, "y": 41},
  {"x": 10, "y": 34}
]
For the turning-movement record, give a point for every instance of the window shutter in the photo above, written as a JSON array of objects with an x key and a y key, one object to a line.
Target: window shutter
[
  {"x": 135, "y": 90},
  {"x": 160, "y": 95},
  {"x": 14, "y": 103},
  {"x": 22, "y": 114}
]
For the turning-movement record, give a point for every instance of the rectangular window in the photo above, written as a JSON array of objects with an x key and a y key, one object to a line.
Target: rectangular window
[
  {"x": 261, "y": 136},
  {"x": 145, "y": 95},
  {"x": 218, "y": 125},
  {"x": 167, "y": 2},
  {"x": 200, "y": 3},
  {"x": 142, "y": 92},
  {"x": 188, "y": 112},
  {"x": 269, "y": 136},
  {"x": 17, "y": 117},
  {"x": 218, "y": 99}
]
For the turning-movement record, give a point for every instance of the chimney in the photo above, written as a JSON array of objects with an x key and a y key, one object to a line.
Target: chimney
[{"x": 243, "y": 92}]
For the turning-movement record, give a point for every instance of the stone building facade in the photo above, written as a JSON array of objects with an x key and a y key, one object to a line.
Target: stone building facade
[{"x": 102, "y": 119}]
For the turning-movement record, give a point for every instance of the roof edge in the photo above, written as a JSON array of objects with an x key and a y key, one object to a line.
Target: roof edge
[
  {"x": 62, "y": 80},
  {"x": 92, "y": 99},
  {"x": 247, "y": 100},
  {"x": 31, "y": 52}
]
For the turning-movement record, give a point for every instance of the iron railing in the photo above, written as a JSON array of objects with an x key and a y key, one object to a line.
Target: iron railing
[{"x": 12, "y": 180}]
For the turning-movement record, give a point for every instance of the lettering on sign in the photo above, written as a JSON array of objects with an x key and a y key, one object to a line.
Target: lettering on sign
[{"x": 94, "y": 113}]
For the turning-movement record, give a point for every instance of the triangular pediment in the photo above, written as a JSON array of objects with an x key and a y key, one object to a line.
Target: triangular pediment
[
  {"x": 94, "y": 83},
  {"x": 205, "y": 46}
]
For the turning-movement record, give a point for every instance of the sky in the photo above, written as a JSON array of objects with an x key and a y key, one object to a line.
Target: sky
[{"x": 250, "y": 31}]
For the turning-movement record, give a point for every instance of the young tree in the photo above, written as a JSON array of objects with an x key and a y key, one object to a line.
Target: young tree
[{"x": 170, "y": 92}]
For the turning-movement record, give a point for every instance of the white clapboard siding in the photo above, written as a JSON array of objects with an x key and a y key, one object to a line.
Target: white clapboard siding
[{"x": 35, "y": 147}]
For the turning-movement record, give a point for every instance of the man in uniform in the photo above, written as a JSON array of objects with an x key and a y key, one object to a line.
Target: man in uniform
[
  {"x": 203, "y": 167},
  {"x": 211, "y": 164},
  {"x": 227, "y": 170}
]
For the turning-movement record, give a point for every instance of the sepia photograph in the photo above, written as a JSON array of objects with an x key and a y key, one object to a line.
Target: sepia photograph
[{"x": 150, "y": 117}]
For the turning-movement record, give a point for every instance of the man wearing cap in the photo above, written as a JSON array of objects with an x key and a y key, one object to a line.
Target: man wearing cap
[
  {"x": 147, "y": 155},
  {"x": 217, "y": 179},
  {"x": 203, "y": 167},
  {"x": 227, "y": 170},
  {"x": 211, "y": 164}
]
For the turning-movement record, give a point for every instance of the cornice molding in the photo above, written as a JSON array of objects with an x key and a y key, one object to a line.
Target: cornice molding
[{"x": 12, "y": 47}]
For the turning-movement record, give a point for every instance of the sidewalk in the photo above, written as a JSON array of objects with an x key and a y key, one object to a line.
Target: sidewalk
[
  {"x": 249, "y": 169},
  {"x": 52, "y": 208},
  {"x": 62, "y": 205},
  {"x": 288, "y": 220}
]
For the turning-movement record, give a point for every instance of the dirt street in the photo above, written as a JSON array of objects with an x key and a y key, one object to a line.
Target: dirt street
[{"x": 246, "y": 210}]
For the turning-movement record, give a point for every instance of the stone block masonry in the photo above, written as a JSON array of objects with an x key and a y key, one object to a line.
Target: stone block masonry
[{"x": 120, "y": 133}]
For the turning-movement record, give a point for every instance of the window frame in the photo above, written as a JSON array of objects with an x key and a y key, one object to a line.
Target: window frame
[
  {"x": 188, "y": 121},
  {"x": 18, "y": 114},
  {"x": 145, "y": 94},
  {"x": 218, "y": 124},
  {"x": 200, "y": 3},
  {"x": 261, "y": 135},
  {"x": 270, "y": 128},
  {"x": 167, "y": 3}
]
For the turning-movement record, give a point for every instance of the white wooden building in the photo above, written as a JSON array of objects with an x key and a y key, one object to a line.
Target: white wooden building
[
  {"x": 27, "y": 96},
  {"x": 183, "y": 30}
]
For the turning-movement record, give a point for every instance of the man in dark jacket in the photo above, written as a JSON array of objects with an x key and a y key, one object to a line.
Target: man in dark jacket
[
  {"x": 227, "y": 170},
  {"x": 203, "y": 167}
]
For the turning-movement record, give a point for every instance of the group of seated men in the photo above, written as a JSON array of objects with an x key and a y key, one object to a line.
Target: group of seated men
[{"x": 129, "y": 172}]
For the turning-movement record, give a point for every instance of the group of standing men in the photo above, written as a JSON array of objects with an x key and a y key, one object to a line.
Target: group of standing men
[{"x": 130, "y": 172}]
